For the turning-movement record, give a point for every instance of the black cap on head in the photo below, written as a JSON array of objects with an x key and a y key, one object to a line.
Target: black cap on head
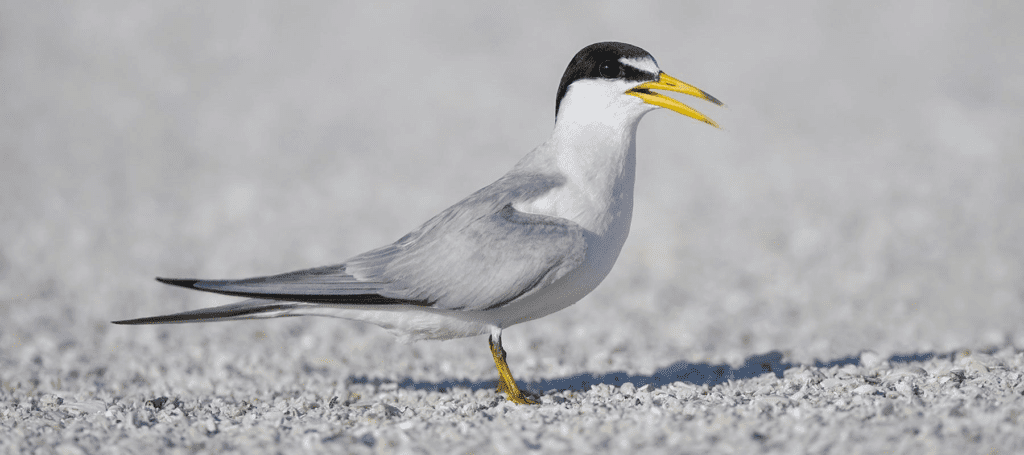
[{"x": 601, "y": 61}]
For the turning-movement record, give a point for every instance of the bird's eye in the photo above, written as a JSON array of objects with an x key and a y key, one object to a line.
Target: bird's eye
[{"x": 610, "y": 69}]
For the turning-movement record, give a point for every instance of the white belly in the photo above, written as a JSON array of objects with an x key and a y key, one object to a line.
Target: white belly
[{"x": 601, "y": 255}]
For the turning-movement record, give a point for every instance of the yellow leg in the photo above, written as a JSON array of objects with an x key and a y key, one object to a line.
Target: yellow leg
[{"x": 506, "y": 383}]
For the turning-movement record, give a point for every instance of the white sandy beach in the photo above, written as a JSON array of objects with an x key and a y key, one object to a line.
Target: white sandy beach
[{"x": 840, "y": 269}]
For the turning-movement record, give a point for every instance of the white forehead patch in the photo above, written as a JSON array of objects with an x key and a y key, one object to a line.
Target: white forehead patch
[{"x": 646, "y": 64}]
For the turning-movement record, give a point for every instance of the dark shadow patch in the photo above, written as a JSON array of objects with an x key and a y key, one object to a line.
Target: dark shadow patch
[
  {"x": 840, "y": 362},
  {"x": 909, "y": 358},
  {"x": 699, "y": 374}
]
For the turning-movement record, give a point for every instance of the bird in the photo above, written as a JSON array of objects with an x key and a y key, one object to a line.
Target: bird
[{"x": 534, "y": 242}]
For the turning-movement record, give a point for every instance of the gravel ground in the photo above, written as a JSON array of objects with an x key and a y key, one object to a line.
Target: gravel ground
[{"x": 839, "y": 270}]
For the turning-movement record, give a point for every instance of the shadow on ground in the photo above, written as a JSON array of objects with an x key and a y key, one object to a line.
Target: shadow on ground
[{"x": 693, "y": 373}]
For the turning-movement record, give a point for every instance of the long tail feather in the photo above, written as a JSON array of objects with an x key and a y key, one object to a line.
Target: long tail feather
[
  {"x": 296, "y": 287},
  {"x": 249, "y": 309}
]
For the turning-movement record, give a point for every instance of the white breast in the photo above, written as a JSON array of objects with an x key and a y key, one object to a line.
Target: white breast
[{"x": 602, "y": 203}]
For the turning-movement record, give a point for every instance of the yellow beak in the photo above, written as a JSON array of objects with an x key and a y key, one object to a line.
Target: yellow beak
[{"x": 666, "y": 82}]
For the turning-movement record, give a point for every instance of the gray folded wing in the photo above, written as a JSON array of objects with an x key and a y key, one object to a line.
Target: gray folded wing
[{"x": 478, "y": 254}]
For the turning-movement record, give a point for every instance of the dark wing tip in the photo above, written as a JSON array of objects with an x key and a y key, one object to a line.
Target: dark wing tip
[
  {"x": 137, "y": 321},
  {"x": 168, "y": 319},
  {"x": 126, "y": 322},
  {"x": 183, "y": 282}
]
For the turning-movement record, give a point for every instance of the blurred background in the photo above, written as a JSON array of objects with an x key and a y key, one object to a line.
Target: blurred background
[{"x": 865, "y": 192}]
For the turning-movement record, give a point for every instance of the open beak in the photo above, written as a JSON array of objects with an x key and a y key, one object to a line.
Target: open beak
[{"x": 666, "y": 82}]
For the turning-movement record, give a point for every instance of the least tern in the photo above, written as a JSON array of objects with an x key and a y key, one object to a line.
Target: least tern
[{"x": 534, "y": 242}]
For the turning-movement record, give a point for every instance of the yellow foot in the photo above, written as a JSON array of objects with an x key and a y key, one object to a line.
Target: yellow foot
[
  {"x": 506, "y": 383},
  {"x": 520, "y": 398}
]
